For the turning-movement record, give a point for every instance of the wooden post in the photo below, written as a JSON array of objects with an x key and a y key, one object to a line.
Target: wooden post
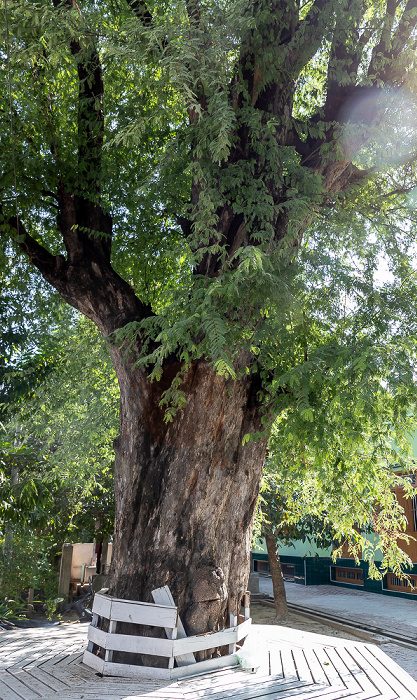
[
  {"x": 108, "y": 654},
  {"x": 65, "y": 570},
  {"x": 31, "y": 595},
  {"x": 173, "y": 636},
  {"x": 246, "y": 605},
  {"x": 233, "y": 621}
]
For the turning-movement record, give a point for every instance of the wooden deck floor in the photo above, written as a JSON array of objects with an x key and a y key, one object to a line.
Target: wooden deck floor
[{"x": 46, "y": 663}]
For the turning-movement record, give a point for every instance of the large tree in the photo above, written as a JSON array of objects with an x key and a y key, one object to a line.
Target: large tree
[{"x": 162, "y": 163}]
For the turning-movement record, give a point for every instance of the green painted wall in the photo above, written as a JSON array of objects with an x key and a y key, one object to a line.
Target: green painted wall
[{"x": 300, "y": 549}]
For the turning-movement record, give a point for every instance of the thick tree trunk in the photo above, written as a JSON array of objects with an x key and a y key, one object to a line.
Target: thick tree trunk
[
  {"x": 186, "y": 491},
  {"x": 280, "y": 597}
]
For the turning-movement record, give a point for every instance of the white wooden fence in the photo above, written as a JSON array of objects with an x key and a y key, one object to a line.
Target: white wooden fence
[{"x": 177, "y": 647}]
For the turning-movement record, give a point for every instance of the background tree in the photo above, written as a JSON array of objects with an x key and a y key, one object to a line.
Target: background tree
[
  {"x": 168, "y": 162},
  {"x": 57, "y": 437},
  {"x": 279, "y": 525}
]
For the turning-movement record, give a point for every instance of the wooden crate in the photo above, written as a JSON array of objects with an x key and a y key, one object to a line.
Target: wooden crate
[{"x": 102, "y": 644}]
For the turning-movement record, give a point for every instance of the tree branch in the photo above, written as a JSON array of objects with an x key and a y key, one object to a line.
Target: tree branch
[
  {"x": 309, "y": 35},
  {"x": 46, "y": 263},
  {"x": 294, "y": 43},
  {"x": 345, "y": 55},
  {"x": 141, "y": 11},
  {"x": 383, "y": 66},
  {"x": 95, "y": 290}
]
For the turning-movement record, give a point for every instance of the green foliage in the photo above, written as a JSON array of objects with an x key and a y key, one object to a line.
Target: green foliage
[
  {"x": 29, "y": 562},
  {"x": 278, "y": 517},
  {"x": 340, "y": 475},
  {"x": 10, "y": 609},
  {"x": 66, "y": 429},
  {"x": 58, "y": 442}
]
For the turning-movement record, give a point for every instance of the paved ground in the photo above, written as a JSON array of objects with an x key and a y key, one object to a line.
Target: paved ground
[{"x": 390, "y": 613}]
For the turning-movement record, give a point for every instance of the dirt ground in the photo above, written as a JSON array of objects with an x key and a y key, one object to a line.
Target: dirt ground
[{"x": 262, "y": 615}]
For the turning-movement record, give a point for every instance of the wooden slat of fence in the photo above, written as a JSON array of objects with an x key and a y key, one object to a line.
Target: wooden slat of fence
[
  {"x": 205, "y": 666},
  {"x": 214, "y": 639},
  {"x": 101, "y": 605},
  {"x": 129, "y": 671},
  {"x": 138, "y": 613},
  {"x": 127, "y": 642},
  {"x": 151, "y": 614},
  {"x": 163, "y": 596}
]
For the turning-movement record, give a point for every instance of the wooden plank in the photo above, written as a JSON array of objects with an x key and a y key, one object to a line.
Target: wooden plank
[
  {"x": 57, "y": 684},
  {"x": 315, "y": 693},
  {"x": 288, "y": 664},
  {"x": 101, "y": 605},
  {"x": 65, "y": 570},
  {"x": 128, "y": 686},
  {"x": 144, "y": 614},
  {"x": 327, "y": 666},
  {"x": 171, "y": 658},
  {"x": 134, "y": 694},
  {"x": 389, "y": 672},
  {"x": 56, "y": 661},
  {"x": 14, "y": 651},
  {"x": 303, "y": 669},
  {"x": 20, "y": 688},
  {"x": 163, "y": 596},
  {"x": 25, "y": 656},
  {"x": 34, "y": 683},
  {"x": 369, "y": 669},
  {"x": 108, "y": 655},
  {"x": 97, "y": 636},
  {"x": 315, "y": 667},
  {"x": 205, "y": 641},
  {"x": 246, "y": 685},
  {"x": 129, "y": 671},
  {"x": 275, "y": 662},
  {"x": 102, "y": 602},
  {"x": 74, "y": 654},
  {"x": 369, "y": 688},
  {"x": 349, "y": 680},
  {"x": 130, "y": 643},
  {"x": 53, "y": 668},
  {"x": 42, "y": 667},
  {"x": 205, "y": 666},
  {"x": 399, "y": 672},
  {"x": 243, "y": 629},
  {"x": 93, "y": 661},
  {"x": 213, "y": 639},
  {"x": 7, "y": 693},
  {"x": 233, "y": 620},
  {"x": 207, "y": 680}
]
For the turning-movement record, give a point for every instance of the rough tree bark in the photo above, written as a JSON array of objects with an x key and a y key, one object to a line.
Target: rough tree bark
[{"x": 186, "y": 491}]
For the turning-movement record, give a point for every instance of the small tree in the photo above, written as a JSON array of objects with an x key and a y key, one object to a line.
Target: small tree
[{"x": 278, "y": 526}]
